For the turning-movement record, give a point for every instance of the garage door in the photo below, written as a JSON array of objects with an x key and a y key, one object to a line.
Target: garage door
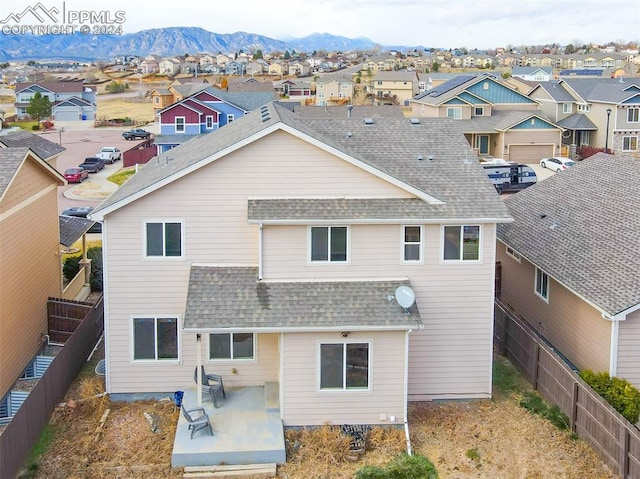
[
  {"x": 64, "y": 114},
  {"x": 529, "y": 153}
]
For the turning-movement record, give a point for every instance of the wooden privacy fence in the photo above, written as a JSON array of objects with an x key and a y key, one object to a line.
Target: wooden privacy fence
[
  {"x": 615, "y": 439},
  {"x": 24, "y": 430}
]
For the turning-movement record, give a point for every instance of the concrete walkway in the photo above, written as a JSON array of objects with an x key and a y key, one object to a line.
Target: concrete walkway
[{"x": 94, "y": 188}]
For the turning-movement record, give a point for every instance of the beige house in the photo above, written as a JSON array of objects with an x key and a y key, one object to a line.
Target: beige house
[
  {"x": 334, "y": 90},
  {"x": 393, "y": 87},
  {"x": 331, "y": 257},
  {"x": 497, "y": 120},
  {"x": 29, "y": 253},
  {"x": 572, "y": 271}
]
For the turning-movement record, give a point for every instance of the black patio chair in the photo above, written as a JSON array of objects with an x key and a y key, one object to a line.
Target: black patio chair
[
  {"x": 211, "y": 385},
  {"x": 197, "y": 421}
]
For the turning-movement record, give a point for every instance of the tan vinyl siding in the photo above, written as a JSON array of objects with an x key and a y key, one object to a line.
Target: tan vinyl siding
[
  {"x": 28, "y": 181},
  {"x": 628, "y": 351},
  {"x": 574, "y": 327},
  {"x": 304, "y": 404},
  {"x": 30, "y": 266},
  {"x": 212, "y": 204}
]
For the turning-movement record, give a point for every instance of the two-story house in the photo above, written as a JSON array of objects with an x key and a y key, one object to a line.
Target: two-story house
[
  {"x": 334, "y": 89},
  {"x": 70, "y": 100},
  {"x": 203, "y": 112},
  {"x": 598, "y": 112},
  {"x": 349, "y": 261},
  {"x": 497, "y": 120},
  {"x": 29, "y": 254},
  {"x": 393, "y": 87}
]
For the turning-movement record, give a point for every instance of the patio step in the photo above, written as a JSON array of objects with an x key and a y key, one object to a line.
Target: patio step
[
  {"x": 271, "y": 397},
  {"x": 253, "y": 471}
]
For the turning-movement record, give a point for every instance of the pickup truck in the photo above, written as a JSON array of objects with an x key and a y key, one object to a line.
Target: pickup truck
[
  {"x": 136, "y": 133},
  {"x": 92, "y": 165},
  {"x": 109, "y": 154}
]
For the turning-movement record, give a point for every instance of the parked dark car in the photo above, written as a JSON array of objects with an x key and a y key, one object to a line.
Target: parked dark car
[
  {"x": 92, "y": 165},
  {"x": 83, "y": 212},
  {"x": 135, "y": 134},
  {"x": 75, "y": 175}
]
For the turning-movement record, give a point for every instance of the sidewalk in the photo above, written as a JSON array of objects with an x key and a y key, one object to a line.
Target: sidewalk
[{"x": 92, "y": 189}]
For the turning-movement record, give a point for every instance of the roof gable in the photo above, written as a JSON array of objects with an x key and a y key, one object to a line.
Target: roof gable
[{"x": 12, "y": 160}]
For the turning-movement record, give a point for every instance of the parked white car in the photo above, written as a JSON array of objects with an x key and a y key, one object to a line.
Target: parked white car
[
  {"x": 109, "y": 154},
  {"x": 557, "y": 163}
]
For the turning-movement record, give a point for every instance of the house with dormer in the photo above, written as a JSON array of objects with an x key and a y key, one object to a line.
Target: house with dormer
[
  {"x": 498, "y": 121},
  {"x": 203, "y": 112},
  {"x": 334, "y": 259},
  {"x": 70, "y": 100}
]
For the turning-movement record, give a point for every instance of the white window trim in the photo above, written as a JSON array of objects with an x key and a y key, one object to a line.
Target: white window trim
[
  {"x": 132, "y": 353},
  {"x": 208, "y": 122},
  {"x": 404, "y": 243},
  {"x": 475, "y": 111},
  {"x": 459, "y": 261},
  {"x": 567, "y": 108},
  {"x": 636, "y": 113},
  {"x": 454, "y": 110},
  {"x": 243, "y": 360},
  {"x": 184, "y": 124},
  {"x": 344, "y": 389},
  {"x": 328, "y": 261},
  {"x": 539, "y": 294},
  {"x": 164, "y": 257},
  {"x": 513, "y": 254},
  {"x": 630, "y": 139}
]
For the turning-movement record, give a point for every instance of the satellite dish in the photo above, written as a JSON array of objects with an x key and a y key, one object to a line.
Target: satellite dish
[{"x": 405, "y": 297}]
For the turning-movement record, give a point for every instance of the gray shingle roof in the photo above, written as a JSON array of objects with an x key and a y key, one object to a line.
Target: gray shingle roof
[
  {"x": 10, "y": 160},
  {"x": 602, "y": 89},
  {"x": 361, "y": 111},
  {"x": 557, "y": 91},
  {"x": 233, "y": 298},
  {"x": 577, "y": 121},
  {"x": 499, "y": 120},
  {"x": 389, "y": 145},
  {"x": 72, "y": 228},
  {"x": 42, "y": 147},
  {"x": 588, "y": 237}
]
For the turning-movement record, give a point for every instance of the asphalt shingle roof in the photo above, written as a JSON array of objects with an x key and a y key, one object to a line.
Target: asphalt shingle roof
[
  {"x": 390, "y": 145},
  {"x": 10, "y": 161},
  {"x": 582, "y": 227},
  {"x": 577, "y": 121},
  {"x": 72, "y": 228},
  {"x": 42, "y": 147},
  {"x": 233, "y": 298}
]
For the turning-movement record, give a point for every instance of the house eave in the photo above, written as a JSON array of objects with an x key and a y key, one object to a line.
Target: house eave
[{"x": 314, "y": 329}]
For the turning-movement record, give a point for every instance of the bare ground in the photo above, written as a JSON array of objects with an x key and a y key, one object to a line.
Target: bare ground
[{"x": 494, "y": 439}]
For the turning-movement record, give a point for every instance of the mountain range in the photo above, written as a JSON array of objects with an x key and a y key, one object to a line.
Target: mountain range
[{"x": 164, "y": 42}]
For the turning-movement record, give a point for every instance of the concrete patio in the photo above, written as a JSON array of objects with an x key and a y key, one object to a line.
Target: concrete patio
[{"x": 246, "y": 430}]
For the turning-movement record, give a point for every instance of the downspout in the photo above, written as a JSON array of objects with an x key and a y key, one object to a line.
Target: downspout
[
  {"x": 406, "y": 391},
  {"x": 260, "y": 252},
  {"x": 199, "y": 369},
  {"x": 613, "y": 353}
]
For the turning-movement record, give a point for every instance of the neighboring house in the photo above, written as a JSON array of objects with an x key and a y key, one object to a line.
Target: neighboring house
[
  {"x": 571, "y": 264},
  {"x": 179, "y": 89},
  {"x": 70, "y": 100},
  {"x": 149, "y": 65},
  {"x": 234, "y": 67},
  {"x": 334, "y": 89},
  {"x": 279, "y": 68},
  {"x": 299, "y": 68},
  {"x": 536, "y": 74},
  {"x": 393, "y": 87},
  {"x": 169, "y": 66},
  {"x": 279, "y": 243},
  {"x": 497, "y": 120},
  {"x": 289, "y": 90},
  {"x": 47, "y": 150},
  {"x": 603, "y": 112},
  {"x": 29, "y": 257},
  {"x": 203, "y": 112},
  {"x": 237, "y": 85}
]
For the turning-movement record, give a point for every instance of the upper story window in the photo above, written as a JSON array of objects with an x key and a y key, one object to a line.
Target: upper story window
[
  {"x": 629, "y": 143},
  {"x": 231, "y": 346},
  {"x": 633, "y": 115},
  {"x": 155, "y": 338},
  {"x": 179, "y": 122},
  {"x": 566, "y": 108},
  {"x": 209, "y": 121},
  {"x": 412, "y": 243},
  {"x": 454, "y": 112},
  {"x": 344, "y": 366},
  {"x": 513, "y": 253},
  {"x": 584, "y": 108},
  {"x": 329, "y": 243},
  {"x": 542, "y": 284},
  {"x": 461, "y": 243},
  {"x": 163, "y": 239},
  {"x": 478, "y": 111},
  {"x": 230, "y": 118}
]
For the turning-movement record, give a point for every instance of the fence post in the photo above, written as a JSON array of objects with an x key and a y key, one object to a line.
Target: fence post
[
  {"x": 505, "y": 332},
  {"x": 536, "y": 366},
  {"x": 574, "y": 406},
  {"x": 625, "y": 458}
]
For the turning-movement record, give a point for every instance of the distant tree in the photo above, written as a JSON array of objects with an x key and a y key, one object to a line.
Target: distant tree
[
  {"x": 287, "y": 55},
  {"x": 435, "y": 67},
  {"x": 39, "y": 107},
  {"x": 570, "y": 49},
  {"x": 31, "y": 63},
  {"x": 258, "y": 55}
]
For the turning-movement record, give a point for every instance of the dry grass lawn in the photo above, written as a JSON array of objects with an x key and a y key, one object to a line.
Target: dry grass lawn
[
  {"x": 493, "y": 439},
  {"x": 116, "y": 106}
]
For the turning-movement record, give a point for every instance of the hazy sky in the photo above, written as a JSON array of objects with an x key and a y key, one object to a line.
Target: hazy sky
[{"x": 432, "y": 23}]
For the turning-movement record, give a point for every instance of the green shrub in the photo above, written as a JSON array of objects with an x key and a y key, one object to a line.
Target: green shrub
[
  {"x": 535, "y": 404},
  {"x": 472, "y": 454},
  {"x": 71, "y": 267},
  {"x": 619, "y": 393},
  {"x": 402, "y": 467}
]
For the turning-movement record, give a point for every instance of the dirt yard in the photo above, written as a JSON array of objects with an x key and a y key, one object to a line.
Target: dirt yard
[{"x": 495, "y": 439}]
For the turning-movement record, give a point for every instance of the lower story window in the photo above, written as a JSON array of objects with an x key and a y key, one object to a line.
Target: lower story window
[
  {"x": 155, "y": 338},
  {"x": 542, "y": 284},
  {"x": 231, "y": 346},
  {"x": 629, "y": 143},
  {"x": 344, "y": 366}
]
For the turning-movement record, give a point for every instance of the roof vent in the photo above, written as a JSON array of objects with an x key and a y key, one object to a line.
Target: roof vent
[
  {"x": 349, "y": 134},
  {"x": 420, "y": 158},
  {"x": 414, "y": 121},
  {"x": 368, "y": 121},
  {"x": 431, "y": 158}
]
